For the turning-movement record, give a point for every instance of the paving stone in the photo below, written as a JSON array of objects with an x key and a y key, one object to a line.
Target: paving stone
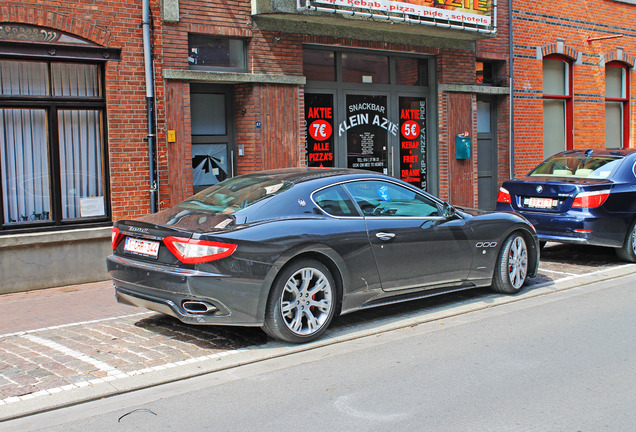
[{"x": 20, "y": 391}]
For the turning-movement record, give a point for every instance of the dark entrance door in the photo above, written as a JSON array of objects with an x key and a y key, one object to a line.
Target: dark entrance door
[
  {"x": 487, "y": 183},
  {"x": 212, "y": 137},
  {"x": 366, "y": 129}
]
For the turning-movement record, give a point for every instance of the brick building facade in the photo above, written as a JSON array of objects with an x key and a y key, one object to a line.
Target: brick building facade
[
  {"x": 238, "y": 86},
  {"x": 73, "y": 136},
  {"x": 573, "y": 69}
]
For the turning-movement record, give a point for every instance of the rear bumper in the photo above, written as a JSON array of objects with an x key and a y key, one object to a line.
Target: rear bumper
[
  {"x": 165, "y": 289},
  {"x": 583, "y": 228}
]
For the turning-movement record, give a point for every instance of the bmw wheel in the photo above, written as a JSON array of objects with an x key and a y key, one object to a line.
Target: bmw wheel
[
  {"x": 511, "y": 268},
  {"x": 302, "y": 302},
  {"x": 628, "y": 251}
]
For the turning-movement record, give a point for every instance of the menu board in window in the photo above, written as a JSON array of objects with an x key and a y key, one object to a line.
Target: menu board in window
[{"x": 367, "y": 126}]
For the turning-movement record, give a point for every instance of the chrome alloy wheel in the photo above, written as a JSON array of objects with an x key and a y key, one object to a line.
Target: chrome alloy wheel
[
  {"x": 634, "y": 240},
  {"x": 518, "y": 262},
  {"x": 306, "y": 301}
]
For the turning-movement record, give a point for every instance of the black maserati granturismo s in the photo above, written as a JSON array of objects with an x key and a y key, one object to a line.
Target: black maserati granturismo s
[{"x": 287, "y": 250}]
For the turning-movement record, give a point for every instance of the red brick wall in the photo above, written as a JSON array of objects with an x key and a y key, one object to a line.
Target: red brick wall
[
  {"x": 247, "y": 96},
  {"x": 537, "y": 25},
  {"x": 115, "y": 24}
]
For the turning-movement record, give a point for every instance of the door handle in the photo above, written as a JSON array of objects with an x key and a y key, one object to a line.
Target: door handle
[{"x": 385, "y": 236}]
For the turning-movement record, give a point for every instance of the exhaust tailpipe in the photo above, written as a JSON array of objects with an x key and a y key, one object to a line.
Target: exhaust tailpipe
[{"x": 198, "y": 307}]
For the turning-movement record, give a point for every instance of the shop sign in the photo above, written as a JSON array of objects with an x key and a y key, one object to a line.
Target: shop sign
[
  {"x": 319, "y": 130},
  {"x": 471, "y": 13}
]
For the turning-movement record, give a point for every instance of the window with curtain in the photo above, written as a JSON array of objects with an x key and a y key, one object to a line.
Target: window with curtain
[
  {"x": 557, "y": 105},
  {"x": 616, "y": 106},
  {"x": 52, "y": 149}
]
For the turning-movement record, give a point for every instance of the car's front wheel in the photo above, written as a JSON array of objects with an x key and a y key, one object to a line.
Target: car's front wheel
[
  {"x": 628, "y": 251},
  {"x": 302, "y": 302},
  {"x": 511, "y": 268}
]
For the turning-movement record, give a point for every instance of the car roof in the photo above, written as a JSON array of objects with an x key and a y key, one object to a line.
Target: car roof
[
  {"x": 599, "y": 152},
  {"x": 301, "y": 175}
]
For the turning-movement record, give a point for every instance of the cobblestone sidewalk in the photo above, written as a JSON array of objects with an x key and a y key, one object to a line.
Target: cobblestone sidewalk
[{"x": 65, "y": 357}]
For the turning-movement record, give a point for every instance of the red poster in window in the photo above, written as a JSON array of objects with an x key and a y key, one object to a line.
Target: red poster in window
[
  {"x": 413, "y": 141},
  {"x": 319, "y": 129}
]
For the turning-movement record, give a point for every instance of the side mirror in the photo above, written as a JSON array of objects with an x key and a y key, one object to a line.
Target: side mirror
[{"x": 449, "y": 211}]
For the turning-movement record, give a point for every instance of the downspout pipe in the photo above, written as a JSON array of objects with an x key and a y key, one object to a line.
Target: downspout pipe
[
  {"x": 511, "y": 121},
  {"x": 150, "y": 103}
]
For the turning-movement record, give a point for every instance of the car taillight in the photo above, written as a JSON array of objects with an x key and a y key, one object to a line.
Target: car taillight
[
  {"x": 503, "y": 196},
  {"x": 116, "y": 237},
  {"x": 191, "y": 251},
  {"x": 590, "y": 199}
]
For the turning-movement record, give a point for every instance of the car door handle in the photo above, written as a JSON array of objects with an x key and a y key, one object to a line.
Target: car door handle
[{"x": 385, "y": 236}]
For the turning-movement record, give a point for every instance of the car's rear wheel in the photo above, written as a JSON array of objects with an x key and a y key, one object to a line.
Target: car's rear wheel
[
  {"x": 628, "y": 251},
  {"x": 511, "y": 268},
  {"x": 302, "y": 302}
]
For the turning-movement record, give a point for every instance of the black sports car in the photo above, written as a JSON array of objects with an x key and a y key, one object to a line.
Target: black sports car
[
  {"x": 579, "y": 197},
  {"x": 287, "y": 250}
]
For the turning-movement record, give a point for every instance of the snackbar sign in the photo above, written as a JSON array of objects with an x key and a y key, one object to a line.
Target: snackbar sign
[{"x": 464, "y": 12}]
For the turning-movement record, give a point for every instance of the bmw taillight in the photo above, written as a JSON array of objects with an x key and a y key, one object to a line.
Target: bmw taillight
[
  {"x": 590, "y": 199},
  {"x": 503, "y": 196},
  {"x": 116, "y": 237},
  {"x": 191, "y": 251}
]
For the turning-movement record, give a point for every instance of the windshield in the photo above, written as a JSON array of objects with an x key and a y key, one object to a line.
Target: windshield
[
  {"x": 579, "y": 166},
  {"x": 235, "y": 194}
]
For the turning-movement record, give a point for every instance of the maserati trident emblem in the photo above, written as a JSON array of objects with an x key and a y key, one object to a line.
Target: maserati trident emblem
[{"x": 539, "y": 189}]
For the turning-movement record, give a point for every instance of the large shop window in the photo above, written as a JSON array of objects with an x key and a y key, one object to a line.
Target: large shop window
[
  {"x": 616, "y": 106},
  {"x": 557, "y": 105},
  {"x": 367, "y": 111},
  {"x": 52, "y": 149}
]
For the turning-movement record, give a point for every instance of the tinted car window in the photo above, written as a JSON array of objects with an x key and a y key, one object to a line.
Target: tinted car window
[
  {"x": 378, "y": 198},
  {"x": 335, "y": 201},
  {"x": 580, "y": 166},
  {"x": 235, "y": 194}
]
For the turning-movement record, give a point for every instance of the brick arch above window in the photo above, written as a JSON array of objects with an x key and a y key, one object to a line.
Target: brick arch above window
[
  {"x": 560, "y": 48},
  {"x": 19, "y": 40},
  {"x": 619, "y": 55},
  {"x": 43, "y": 18}
]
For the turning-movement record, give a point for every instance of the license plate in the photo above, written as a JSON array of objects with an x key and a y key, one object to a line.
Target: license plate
[
  {"x": 539, "y": 202},
  {"x": 142, "y": 247}
]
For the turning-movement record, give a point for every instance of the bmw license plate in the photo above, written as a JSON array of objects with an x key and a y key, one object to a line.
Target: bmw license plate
[
  {"x": 142, "y": 247},
  {"x": 546, "y": 203}
]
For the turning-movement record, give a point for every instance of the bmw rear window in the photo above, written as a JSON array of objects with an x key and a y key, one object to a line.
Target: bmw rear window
[
  {"x": 235, "y": 194},
  {"x": 578, "y": 166}
]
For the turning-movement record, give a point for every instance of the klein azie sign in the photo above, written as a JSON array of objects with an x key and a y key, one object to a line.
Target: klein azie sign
[{"x": 471, "y": 13}]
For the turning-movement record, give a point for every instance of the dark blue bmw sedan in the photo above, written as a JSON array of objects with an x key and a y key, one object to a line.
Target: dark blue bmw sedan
[{"x": 580, "y": 196}]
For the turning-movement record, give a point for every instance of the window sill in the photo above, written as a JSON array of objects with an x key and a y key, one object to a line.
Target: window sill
[
  {"x": 28, "y": 239},
  {"x": 232, "y": 77}
]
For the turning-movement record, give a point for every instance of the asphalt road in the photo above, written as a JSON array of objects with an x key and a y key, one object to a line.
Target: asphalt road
[
  {"x": 74, "y": 344},
  {"x": 559, "y": 362}
]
